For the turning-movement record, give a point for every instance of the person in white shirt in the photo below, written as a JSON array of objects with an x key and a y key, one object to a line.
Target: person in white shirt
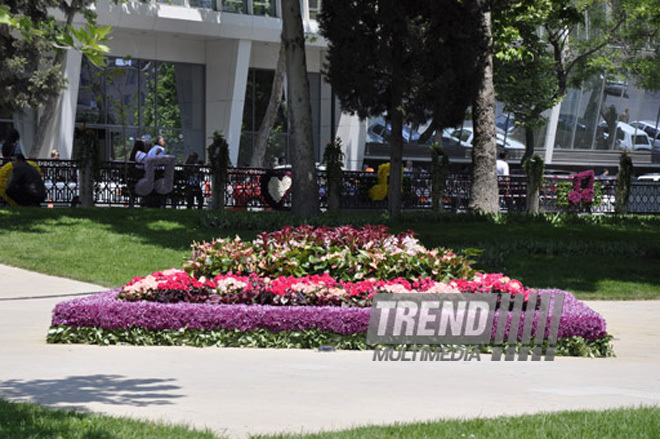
[
  {"x": 501, "y": 165},
  {"x": 158, "y": 148}
]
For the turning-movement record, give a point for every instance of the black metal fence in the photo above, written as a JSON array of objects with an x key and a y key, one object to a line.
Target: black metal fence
[{"x": 259, "y": 189}]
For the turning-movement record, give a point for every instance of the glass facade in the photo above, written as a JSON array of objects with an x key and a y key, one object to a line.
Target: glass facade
[
  {"x": 587, "y": 118},
  {"x": 130, "y": 98},
  {"x": 257, "y": 96},
  {"x": 604, "y": 104},
  {"x": 254, "y": 7}
]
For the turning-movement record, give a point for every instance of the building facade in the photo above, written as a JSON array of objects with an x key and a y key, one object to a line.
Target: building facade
[{"x": 187, "y": 68}]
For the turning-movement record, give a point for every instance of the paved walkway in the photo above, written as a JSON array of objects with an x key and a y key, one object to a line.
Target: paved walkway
[{"x": 242, "y": 391}]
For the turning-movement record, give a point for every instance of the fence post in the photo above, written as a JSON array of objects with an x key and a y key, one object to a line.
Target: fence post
[
  {"x": 439, "y": 173},
  {"x": 623, "y": 184},
  {"x": 218, "y": 154},
  {"x": 334, "y": 159},
  {"x": 87, "y": 157},
  {"x": 534, "y": 168}
]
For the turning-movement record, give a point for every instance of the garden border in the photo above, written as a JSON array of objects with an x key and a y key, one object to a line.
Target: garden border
[{"x": 101, "y": 319}]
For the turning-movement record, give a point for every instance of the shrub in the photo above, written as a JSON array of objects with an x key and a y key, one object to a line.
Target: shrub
[{"x": 345, "y": 253}]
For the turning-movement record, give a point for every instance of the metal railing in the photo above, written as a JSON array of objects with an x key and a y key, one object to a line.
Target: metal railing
[{"x": 260, "y": 189}]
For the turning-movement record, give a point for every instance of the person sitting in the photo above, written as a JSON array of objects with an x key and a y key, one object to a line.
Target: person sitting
[
  {"x": 139, "y": 152},
  {"x": 26, "y": 187},
  {"x": 11, "y": 146},
  {"x": 158, "y": 148}
]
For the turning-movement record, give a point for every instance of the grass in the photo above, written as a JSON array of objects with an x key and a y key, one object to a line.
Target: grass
[
  {"x": 611, "y": 258},
  {"x": 28, "y": 421},
  {"x": 619, "y": 423},
  {"x": 23, "y": 420}
]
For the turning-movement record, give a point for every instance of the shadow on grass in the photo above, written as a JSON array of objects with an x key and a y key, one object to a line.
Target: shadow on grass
[
  {"x": 83, "y": 389},
  {"x": 165, "y": 228}
]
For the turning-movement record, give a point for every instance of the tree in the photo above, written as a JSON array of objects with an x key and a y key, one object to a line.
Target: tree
[
  {"x": 261, "y": 143},
  {"x": 409, "y": 61},
  {"x": 305, "y": 195},
  {"x": 484, "y": 195},
  {"x": 547, "y": 46},
  {"x": 640, "y": 41},
  {"x": 32, "y": 52}
]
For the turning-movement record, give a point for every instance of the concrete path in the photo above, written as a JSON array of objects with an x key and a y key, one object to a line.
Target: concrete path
[{"x": 241, "y": 391}]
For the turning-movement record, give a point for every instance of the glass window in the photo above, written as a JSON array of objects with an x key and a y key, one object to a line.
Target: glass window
[
  {"x": 206, "y": 4},
  {"x": 144, "y": 98},
  {"x": 91, "y": 94},
  {"x": 314, "y": 8},
  {"x": 264, "y": 7},
  {"x": 236, "y": 6},
  {"x": 257, "y": 96},
  {"x": 121, "y": 92}
]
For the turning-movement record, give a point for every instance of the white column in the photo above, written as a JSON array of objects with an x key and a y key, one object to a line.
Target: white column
[
  {"x": 325, "y": 115},
  {"x": 551, "y": 133},
  {"x": 68, "y": 105},
  {"x": 227, "y": 64},
  {"x": 353, "y": 134}
]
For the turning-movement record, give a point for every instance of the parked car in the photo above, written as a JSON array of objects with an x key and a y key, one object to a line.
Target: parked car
[
  {"x": 379, "y": 132},
  {"x": 650, "y": 128},
  {"x": 627, "y": 137},
  {"x": 463, "y": 136},
  {"x": 649, "y": 177}
]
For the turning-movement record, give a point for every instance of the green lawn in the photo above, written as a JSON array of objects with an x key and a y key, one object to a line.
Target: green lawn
[
  {"x": 597, "y": 258},
  {"x": 27, "y": 421}
]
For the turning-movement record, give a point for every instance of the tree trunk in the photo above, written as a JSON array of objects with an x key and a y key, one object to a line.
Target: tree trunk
[
  {"x": 532, "y": 199},
  {"x": 396, "y": 120},
  {"x": 428, "y": 132},
  {"x": 334, "y": 196},
  {"x": 305, "y": 195},
  {"x": 261, "y": 144},
  {"x": 484, "y": 197},
  {"x": 529, "y": 144},
  {"x": 218, "y": 195}
]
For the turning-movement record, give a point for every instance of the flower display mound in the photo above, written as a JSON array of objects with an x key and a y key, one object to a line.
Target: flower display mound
[
  {"x": 344, "y": 253},
  {"x": 296, "y": 287},
  {"x": 103, "y": 319},
  {"x": 172, "y": 286}
]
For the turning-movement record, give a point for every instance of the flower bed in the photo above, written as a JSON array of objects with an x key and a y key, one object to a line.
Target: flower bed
[
  {"x": 344, "y": 253},
  {"x": 104, "y": 313},
  {"x": 171, "y": 286},
  {"x": 297, "y": 287}
]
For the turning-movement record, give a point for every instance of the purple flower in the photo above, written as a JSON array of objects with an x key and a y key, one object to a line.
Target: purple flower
[
  {"x": 587, "y": 196},
  {"x": 574, "y": 198},
  {"x": 105, "y": 311}
]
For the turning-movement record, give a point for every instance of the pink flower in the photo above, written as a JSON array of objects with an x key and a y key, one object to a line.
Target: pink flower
[
  {"x": 587, "y": 195},
  {"x": 574, "y": 198}
]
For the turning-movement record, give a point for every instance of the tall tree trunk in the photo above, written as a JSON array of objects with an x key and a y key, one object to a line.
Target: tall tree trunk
[
  {"x": 529, "y": 144},
  {"x": 532, "y": 195},
  {"x": 258, "y": 159},
  {"x": 305, "y": 195},
  {"x": 396, "y": 120},
  {"x": 484, "y": 197}
]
